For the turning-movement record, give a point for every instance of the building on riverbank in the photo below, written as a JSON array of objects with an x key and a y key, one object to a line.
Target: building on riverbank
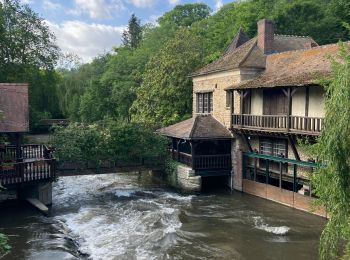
[
  {"x": 26, "y": 171},
  {"x": 262, "y": 95}
]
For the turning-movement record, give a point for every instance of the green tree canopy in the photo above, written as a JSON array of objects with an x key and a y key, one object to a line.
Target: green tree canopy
[
  {"x": 185, "y": 15},
  {"x": 332, "y": 182},
  {"x": 165, "y": 94}
]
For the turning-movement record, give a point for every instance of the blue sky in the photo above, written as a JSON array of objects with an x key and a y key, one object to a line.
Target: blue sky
[{"x": 91, "y": 27}]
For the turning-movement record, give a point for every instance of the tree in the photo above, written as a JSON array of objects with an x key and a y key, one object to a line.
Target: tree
[
  {"x": 165, "y": 95},
  {"x": 332, "y": 181},
  {"x": 132, "y": 36},
  {"x": 185, "y": 15},
  {"x": 28, "y": 53}
]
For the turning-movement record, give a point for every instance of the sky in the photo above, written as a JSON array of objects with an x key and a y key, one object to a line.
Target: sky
[{"x": 88, "y": 28}]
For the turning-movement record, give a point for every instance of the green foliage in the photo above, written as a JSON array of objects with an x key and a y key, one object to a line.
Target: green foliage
[
  {"x": 332, "y": 182},
  {"x": 165, "y": 94},
  {"x": 28, "y": 53},
  {"x": 140, "y": 82},
  {"x": 185, "y": 15},
  {"x": 4, "y": 246},
  {"x": 106, "y": 141},
  {"x": 133, "y": 34}
]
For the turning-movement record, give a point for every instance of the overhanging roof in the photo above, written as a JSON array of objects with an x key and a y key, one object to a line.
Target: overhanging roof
[
  {"x": 199, "y": 127},
  {"x": 294, "y": 68}
]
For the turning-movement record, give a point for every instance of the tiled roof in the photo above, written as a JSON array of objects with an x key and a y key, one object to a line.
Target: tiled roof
[
  {"x": 282, "y": 43},
  {"x": 14, "y": 105},
  {"x": 230, "y": 60},
  {"x": 248, "y": 54},
  {"x": 199, "y": 127},
  {"x": 294, "y": 68},
  {"x": 239, "y": 39}
]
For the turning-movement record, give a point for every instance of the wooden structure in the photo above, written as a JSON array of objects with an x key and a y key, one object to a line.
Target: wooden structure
[
  {"x": 201, "y": 143},
  {"x": 20, "y": 164},
  {"x": 36, "y": 164}
]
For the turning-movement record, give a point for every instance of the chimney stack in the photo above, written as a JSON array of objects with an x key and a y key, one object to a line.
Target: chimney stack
[{"x": 265, "y": 35}]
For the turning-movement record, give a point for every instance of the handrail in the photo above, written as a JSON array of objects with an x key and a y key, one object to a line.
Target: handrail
[
  {"x": 286, "y": 123},
  {"x": 281, "y": 159}
]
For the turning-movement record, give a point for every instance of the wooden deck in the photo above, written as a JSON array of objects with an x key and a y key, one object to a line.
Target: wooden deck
[{"x": 278, "y": 124}]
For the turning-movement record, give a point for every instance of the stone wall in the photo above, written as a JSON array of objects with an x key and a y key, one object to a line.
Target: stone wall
[{"x": 186, "y": 179}]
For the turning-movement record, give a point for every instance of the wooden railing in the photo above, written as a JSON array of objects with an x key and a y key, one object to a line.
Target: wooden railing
[
  {"x": 204, "y": 162},
  {"x": 212, "y": 162},
  {"x": 13, "y": 173},
  {"x": 308, "y": 124},
  {"x": 28, "y": 151},
  {"x": 280, "y": 123}
]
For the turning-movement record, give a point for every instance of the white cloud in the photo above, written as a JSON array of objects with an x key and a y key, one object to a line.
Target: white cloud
[
  {"x": 173, "y": 2},
  {"x": 218, "y": 4},
  {"x": 97, "y": 8},
  {"x": 143, "y": 3},
  {"x": 27, "y": 2},
  {"x": 48, "y": 5},
  {"x": 86, "y": 40}
]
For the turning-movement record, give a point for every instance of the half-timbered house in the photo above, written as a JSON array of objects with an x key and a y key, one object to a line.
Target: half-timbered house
[{"x": 257, "y": 101}]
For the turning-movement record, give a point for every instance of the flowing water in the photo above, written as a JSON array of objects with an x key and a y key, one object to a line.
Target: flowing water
[{"x": 132, "y": 216}]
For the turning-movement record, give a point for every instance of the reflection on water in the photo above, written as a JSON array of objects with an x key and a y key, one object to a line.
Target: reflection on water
[{"x": 132, "y": 216}]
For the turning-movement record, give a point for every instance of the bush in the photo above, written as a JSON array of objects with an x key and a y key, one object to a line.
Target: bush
[
  {"x": 4, "y": 246},
  {"x": 106, "y": 141}
]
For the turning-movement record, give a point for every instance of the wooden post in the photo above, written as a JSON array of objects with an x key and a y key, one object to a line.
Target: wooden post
[
  {"x": 280, "y": 175},
  {"x": 267, "y": 171},
  {"x": 193, "y": 154},
  {"x": 255, "y": 168},
  {"x": 231, "y": 108},
  {"x": 241, "y": 93},
  {"x": 18, "y": 147},
  {"x": 177, "y": 149},
  {"x": 289, "y": 108},
  {"x": 295, "y": 178}
]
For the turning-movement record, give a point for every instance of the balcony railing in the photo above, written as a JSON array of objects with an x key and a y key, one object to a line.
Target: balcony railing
[
  {"x": 278, "y": 123},
  {"x": 21, "y": 172},
  {"x": 204, "y": 162}
]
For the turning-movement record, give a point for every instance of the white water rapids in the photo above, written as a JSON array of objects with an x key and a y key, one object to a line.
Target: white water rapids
[{"x": 132, "y": 216}]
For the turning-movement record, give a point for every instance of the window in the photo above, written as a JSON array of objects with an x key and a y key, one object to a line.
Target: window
[
  {"x": 274, "y": 147},
  {"x": 229, "y": 98},
  {"x": 205, "y": 102}
]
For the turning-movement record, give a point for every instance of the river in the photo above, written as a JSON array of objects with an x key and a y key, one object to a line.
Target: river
[{"x": 134, "y": 216}]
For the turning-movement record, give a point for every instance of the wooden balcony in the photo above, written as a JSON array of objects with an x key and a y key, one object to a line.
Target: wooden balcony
[
  {"x": 204, "y": 162},
  {"x": 278, "y": 123},
  {"x": 33, "y": 163}
]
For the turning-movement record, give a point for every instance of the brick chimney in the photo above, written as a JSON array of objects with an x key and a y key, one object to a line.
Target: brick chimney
[{"x": 265, "y": 35}]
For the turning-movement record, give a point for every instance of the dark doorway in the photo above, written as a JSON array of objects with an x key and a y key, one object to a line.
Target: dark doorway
[{"x": 275, "y": 102}]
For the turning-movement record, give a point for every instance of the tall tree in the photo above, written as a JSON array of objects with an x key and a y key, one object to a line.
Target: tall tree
[
  {"x": 165, "y": 95},
  {"x": 28, "y": 53},
  {"x": 332, "y": 182},
  {"x": 133, "y": 34}
]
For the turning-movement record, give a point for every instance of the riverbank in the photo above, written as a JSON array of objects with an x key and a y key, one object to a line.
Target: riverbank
[{"x": 123, "y": 216}]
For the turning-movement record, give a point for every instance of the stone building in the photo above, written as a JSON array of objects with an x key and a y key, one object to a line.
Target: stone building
[{"x": 252, "y": 105}]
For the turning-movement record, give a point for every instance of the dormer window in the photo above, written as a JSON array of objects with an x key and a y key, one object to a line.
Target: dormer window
[{"x": 204, "y": 102}]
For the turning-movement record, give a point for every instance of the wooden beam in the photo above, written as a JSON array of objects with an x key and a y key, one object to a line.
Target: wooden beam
[
  {"x": 289, "y": 107},
  {"x": 245, "y": 137},
  {"x": 307, "y": 97},
  {"x": 294, "y": 148}
]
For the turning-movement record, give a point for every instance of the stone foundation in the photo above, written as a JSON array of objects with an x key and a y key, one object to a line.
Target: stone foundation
[{"x": 186, "y": 179}]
